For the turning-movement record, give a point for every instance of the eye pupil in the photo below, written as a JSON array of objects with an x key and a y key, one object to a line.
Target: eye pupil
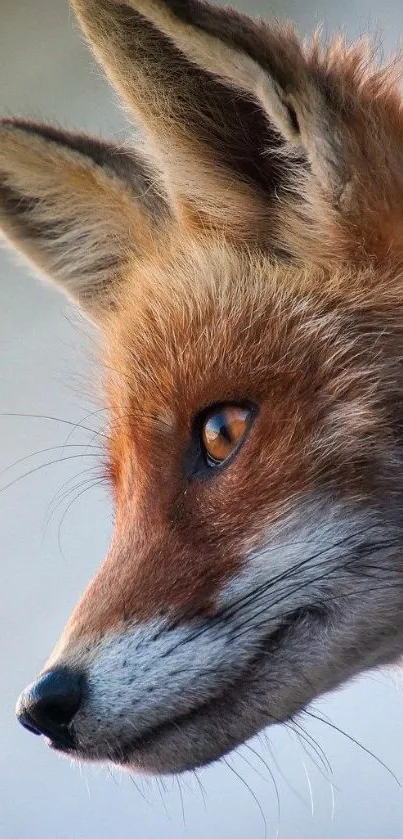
[
  {"x": 225, "y": 431},
  {"x": 222, "y": 431}
]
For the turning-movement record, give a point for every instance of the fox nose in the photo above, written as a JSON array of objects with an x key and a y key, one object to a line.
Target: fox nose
[{"x": 49, "y": 705}]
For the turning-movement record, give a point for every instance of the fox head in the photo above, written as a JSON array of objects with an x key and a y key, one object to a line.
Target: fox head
[{"x": 244, "y": 267}]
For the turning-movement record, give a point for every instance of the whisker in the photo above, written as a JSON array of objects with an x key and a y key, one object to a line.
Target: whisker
[
  {"x": 182, "y": 801},
  {"x": 356, "y": 742},
  {"x": 87, "y": 416},
  {"x": 53, "y": 419},
  {"x": 227, "y": 612},
  {"x": 309, "y": 787},
  {"x": 111, "y": 775},
  {"x": 250, "y": 790},
  {"x": 271, "y": 774},
  {"x": 283, "y": 617},
  {"x": 46, "y": 451},
  {"x": 283, "y": 575},
  {"x": 44, "y": 466},
  {"x": 314, "y": 745},
  {"x": 141, "y": 793},
  {"x": 333, "y": 811},
  {"x": 286, "y": 780},
  {"x": 261, "y": 590},
  {"x": 59, "y": 535},
  {"x": 63, "y": 496},
  {"x": 161, "y": 794},
  {"x": 335, "y": 569},
  {"x": 201, "y": 788},
  {"x": 65, "y": 490},
  {"x": 304, "y": 744}
]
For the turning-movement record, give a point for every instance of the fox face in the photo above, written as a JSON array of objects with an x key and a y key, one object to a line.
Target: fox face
[{"x": 244, "y": 269}]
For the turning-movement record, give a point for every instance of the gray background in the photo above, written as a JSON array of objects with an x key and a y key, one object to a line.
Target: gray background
[{"x": 49, "y": 549}]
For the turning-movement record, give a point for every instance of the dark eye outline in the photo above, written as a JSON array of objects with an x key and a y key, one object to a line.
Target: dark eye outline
[{"x": 197, "y": 463}]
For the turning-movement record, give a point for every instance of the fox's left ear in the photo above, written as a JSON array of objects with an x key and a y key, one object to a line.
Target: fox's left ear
[
  {"x": 76, "y": 207},
  {"x": 223, "y": 95}
]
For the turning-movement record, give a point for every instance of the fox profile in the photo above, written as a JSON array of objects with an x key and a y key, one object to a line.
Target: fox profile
[{"x": 244, "y": 267}]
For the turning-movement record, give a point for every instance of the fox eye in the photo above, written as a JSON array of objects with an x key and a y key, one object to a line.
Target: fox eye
[{"x": 222, "y": 430}]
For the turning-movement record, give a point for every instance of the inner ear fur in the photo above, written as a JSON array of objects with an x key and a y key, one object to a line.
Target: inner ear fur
[
  {"x": 316, "y": 97},
  {"x": 209, "y": 135},
  {"x": 77, "y": 207},
  {"x": 241, "y": 110}
]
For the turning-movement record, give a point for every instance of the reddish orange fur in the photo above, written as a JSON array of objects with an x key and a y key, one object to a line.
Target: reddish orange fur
[
  {"x": 245, "y": 323},
  {"x": 267, "y": 266}
]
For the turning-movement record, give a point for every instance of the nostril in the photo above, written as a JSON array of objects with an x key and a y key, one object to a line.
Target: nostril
[
  {"x": 49, "y": 705},
  {"x": 60, "y": 714}
]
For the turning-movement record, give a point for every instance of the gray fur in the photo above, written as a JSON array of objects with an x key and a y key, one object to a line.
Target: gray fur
[{"x": 297, "y": 621}]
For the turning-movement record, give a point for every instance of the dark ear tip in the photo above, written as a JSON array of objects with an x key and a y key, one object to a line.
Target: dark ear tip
[
  {"x": 23, "y": 123},
  {"x": 99, "y": 151},
  {"x": 27, "y": 125},
  {"x": 11, "y": 122},
  {"x": 43, "y": 130}
]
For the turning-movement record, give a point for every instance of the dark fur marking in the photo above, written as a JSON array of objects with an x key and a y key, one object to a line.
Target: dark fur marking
[
  {"x": 225, "y": 120},
  {"x": 239, "y": 31},
  {"x": 126, "y": 164},
  {"x": 21, "y": 211}
]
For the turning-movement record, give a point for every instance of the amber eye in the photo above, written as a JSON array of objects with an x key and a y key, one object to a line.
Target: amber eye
[{"x": 222, "y": 431}]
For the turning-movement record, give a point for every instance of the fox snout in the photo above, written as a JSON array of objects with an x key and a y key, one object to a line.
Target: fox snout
[
  {"x": 243, "y": 269},
  {"x": 168, "y": 693}
]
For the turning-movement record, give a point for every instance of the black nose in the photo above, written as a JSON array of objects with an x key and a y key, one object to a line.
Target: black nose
[{"x": 49, "y": 705}]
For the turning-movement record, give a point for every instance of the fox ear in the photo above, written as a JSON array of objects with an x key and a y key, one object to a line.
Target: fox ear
[
  {"x": 76, "y": 207},
  {"x": 328, "y": 109},
  {"x": 208, "y": 134}
]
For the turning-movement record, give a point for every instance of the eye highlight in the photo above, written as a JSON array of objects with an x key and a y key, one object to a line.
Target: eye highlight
[{"x": 222, "y": 430}]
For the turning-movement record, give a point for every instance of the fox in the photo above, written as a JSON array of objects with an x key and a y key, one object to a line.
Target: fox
[{"x": 242, "y": 263}]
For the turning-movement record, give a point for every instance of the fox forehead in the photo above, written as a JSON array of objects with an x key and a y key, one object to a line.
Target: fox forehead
[{"x": 200, "y": 321}]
